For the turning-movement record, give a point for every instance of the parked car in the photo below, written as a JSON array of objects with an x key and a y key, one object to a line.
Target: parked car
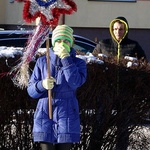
[{"x": 19, "y": 38}]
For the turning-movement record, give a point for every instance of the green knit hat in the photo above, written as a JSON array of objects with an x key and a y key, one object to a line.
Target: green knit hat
[{"x": 62, "y": 32}]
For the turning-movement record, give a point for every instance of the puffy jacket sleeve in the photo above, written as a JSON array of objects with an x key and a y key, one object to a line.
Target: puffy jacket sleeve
[
  {"x": 35, "y": 88},
  {"x": 75, "y": 71}
]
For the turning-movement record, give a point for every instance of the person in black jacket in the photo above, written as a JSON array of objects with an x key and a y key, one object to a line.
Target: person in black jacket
[{"x": 118, "y": 46}]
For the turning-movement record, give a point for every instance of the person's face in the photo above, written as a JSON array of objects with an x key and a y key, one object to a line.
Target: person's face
[
  {"x": 62, "y": 41},
  {"x": 118, "y": 30}
]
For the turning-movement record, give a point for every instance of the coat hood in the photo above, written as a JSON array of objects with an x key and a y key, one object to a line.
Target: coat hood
[{"x": 125, "y": 22}]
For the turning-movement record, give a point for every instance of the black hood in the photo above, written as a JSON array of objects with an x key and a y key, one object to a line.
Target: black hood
[{"x": 124, "y": 19}]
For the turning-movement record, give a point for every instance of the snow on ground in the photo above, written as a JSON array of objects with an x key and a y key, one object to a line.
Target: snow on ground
[
  {"x": 140, "y": 138},
  {"x": 141, "y": 134},
  {"x": 10, "y": 51}
]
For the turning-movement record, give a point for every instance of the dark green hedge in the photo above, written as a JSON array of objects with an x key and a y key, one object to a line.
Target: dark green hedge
[{"x": 113, "y": 103}]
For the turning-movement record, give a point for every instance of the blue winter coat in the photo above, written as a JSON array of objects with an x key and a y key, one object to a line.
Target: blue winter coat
[{"x": 70, "y": 73}]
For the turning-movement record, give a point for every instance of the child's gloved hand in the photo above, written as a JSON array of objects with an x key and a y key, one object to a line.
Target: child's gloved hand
[
  {"x": 62, "y": 50},
  {"x": 48, "y": 83}
]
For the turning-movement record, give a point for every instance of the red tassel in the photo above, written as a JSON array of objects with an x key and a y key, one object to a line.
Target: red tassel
[
  {"x": 26, "y": 14},
  {"x": 72, "y": 4}
]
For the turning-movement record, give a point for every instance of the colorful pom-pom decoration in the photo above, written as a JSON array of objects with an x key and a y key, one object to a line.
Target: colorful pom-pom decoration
[{"x": 48, "y": 11}]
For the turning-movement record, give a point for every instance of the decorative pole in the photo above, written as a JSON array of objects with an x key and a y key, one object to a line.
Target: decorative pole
[
  {"x": 49, "y": 75},
  {"x": 49, "y": 12}
]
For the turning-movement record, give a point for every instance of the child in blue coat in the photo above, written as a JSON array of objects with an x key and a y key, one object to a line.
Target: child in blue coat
[{"x": 67, "y": 74}]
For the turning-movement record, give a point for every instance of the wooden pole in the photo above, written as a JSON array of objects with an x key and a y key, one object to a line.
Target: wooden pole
[{"x": 49, "y": 75}]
